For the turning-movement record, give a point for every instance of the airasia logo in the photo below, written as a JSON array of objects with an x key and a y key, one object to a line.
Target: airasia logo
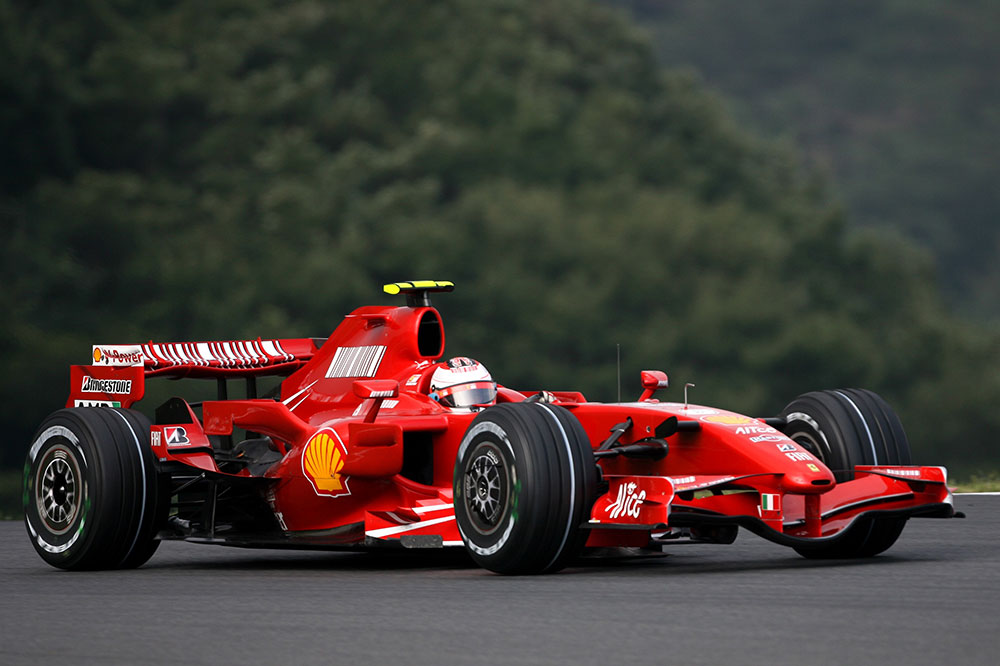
[{"x": 628, "y": 501}]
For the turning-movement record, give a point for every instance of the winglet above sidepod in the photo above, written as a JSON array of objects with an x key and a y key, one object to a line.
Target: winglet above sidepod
[{"x": 417, "y": 290}]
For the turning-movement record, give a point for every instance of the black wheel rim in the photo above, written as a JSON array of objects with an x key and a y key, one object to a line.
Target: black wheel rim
[
  {"x": 809, "y": 443},
  {"x": 804, "y": 431},
  {"x": 58, "y": 489},
  {"x": 486, "y": 488}
]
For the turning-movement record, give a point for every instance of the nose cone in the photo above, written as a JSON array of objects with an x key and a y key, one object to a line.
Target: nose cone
[{"x": 808, "y": 479}]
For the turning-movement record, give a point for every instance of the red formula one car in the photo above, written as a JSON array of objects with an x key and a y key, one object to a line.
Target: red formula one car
[{"x": 370, "y": 441}]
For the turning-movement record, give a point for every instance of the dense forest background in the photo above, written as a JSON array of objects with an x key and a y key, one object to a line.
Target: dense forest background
[
  {"x": 193, "y": 170},
  {"x": 897, "y": 101}
]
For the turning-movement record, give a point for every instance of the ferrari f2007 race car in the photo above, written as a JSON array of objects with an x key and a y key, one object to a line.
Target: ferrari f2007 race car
[{"x": 370, "y": 441}]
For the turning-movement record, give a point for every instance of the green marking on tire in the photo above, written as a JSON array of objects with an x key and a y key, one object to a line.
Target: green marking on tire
[
  {"x": 83, "y": 515},
  {"x": 516, "y": 494}
]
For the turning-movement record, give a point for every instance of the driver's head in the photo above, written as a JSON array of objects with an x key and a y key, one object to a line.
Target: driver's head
[{"x": 463, "y": 382}]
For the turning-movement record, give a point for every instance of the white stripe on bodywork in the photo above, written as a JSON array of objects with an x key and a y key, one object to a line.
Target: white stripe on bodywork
[
  {"x": 182, "y": 353},
  {"x": 205, "y": 353},
  {"x": 356, "y": 361},
  {"x": 277, "y": 344},
  {"x": 287, "y": 400},
  {"x": 389, "y": 531},
  {"x": 433, "y": 507},
  {"x": 227, "y": 350}
]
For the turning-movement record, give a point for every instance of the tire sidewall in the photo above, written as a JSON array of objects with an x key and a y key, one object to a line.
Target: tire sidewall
[
  {"x": 60, "y": 546},
  {"x": 483, "y": 438}
]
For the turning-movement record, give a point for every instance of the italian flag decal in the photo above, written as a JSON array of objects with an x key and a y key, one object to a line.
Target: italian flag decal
[{"x": 770, "y": 506}]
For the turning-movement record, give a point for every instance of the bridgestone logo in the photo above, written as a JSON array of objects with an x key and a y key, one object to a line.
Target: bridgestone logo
[{"x": 119, "y": 386}]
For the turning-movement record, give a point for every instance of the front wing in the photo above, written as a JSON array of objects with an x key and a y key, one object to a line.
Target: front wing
[{"x": 660, "y": 504}]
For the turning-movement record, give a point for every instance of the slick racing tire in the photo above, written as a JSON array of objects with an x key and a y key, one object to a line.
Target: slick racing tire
[
  {"x": 91, "y": 495},
  {"x": 844, "y": 428},
  {"x": 525, "y": 481}
]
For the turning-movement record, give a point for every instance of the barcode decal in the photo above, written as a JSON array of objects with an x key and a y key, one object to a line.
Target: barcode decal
[{"x": 356, "y": 361}]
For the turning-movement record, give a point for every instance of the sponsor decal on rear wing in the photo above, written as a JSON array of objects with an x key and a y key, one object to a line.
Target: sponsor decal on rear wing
[
  {"x": 193, "y": 358},
  {"x": 118, "y": 356},
  {"x": 105, "y": 386}
]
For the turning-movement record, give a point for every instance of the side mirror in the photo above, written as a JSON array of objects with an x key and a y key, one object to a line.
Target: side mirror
[
  {"x": 652, "y": 381},
  {"x": 376, "y": 390}
]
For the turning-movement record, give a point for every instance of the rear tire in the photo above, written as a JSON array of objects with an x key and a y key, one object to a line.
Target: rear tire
[
  {"x": 844, "y": 428},
  {"x": 525, "y": 482},
  {"x": 91, "y": 497}
]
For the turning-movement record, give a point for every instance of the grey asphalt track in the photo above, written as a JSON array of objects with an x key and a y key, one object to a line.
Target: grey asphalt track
[{"x": 931, "y": 599}]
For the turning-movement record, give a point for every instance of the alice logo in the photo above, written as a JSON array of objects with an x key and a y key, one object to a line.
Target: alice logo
[
  {"x": 322, "y": 461},
  {"x": 627, "y": 502}
]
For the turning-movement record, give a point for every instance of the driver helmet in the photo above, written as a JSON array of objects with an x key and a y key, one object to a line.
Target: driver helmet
[{"x": 463, "y": 382}]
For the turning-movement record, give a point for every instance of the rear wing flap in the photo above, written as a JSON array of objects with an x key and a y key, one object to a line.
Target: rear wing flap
[{"x": 210, "y": 359}]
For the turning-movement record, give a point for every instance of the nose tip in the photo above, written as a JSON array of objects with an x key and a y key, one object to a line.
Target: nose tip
[{"x": 809, "y": 481}]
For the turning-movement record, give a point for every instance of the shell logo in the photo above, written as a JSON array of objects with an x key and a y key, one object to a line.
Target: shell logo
[
  {"x": 97, "y": 355},
  {"x": 730, "y": 420},
  {"x": 322, "y": 461}
]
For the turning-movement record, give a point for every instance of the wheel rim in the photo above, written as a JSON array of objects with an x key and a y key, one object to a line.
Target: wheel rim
[
  {"x": 809, "y": 443},
  {"x": 58, "y": 489},
  {"x": 805, "y": 431},
  {"x": 485, "y": 488}
]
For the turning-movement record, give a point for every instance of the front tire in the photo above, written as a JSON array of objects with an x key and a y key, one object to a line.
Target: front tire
[
  {"x": 525, "y": 481},
  {"x": 844, "y": 428},
  {"x": 91, "y": 497}
]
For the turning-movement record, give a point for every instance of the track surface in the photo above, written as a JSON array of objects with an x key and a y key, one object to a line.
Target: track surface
[{"x": 930, "y": 600}]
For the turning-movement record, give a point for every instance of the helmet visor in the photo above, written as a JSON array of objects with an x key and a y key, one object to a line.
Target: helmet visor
[{"x": 469, "y": 394}]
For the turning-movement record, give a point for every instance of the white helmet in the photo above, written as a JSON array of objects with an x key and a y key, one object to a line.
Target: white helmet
[{"x": 463, "y": 382}]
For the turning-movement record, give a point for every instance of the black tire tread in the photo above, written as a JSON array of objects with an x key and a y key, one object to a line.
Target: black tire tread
[
  {"x": 556, "y": 491},
  {"x": 158, "y": 501},
  {"x": 860, "y": 429},
  {"x": 121, "y": 523}
]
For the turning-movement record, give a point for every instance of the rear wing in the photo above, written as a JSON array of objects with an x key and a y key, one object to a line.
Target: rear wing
[
  {"x": 210, "y": 359},
  {"x": 118, "y": 372}
]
